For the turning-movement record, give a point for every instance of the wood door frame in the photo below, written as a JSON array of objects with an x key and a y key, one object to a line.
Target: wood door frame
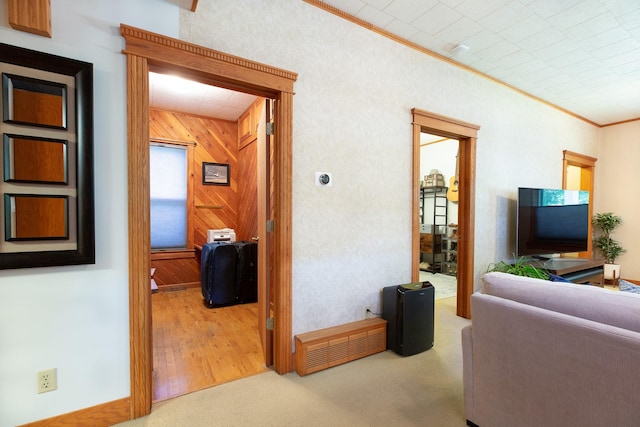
[
  {"x": 466, "y": 134},
  {"x": 588, "y": 164},
  {"x": 143, "y": 50}
]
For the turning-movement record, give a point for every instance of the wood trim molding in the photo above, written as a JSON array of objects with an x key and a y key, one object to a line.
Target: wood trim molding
[
  {"x": 445, "y": 126},
  {"x": 205, "y": 61},
  {"x": 144, "y": 51},
  {"x": 140, "y": 333},
  {"x": 31, "y": 16},
  {"x": 282, "y": 342},
  {"x": 102, "y": 415},
  {"x": 466, "y": 134},
  {"x": 466, "y": 225},
  {"x": 580, "y": 159},
  {"x": 185, "y": 254}
]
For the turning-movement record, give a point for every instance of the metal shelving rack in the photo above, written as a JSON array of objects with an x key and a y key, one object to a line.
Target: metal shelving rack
[
  {"x": 438, "y": 213},
  {"x": 450, "y": 250}
]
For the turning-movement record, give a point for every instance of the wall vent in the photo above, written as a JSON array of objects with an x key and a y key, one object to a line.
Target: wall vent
[{"x": 333, "y": 346}]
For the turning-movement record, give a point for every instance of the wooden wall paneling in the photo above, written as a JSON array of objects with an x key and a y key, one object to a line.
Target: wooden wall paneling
[
  {"x": 31, "y": 16},
  {"x": 182, "y": 272},
  {"x": 216, "y": 206}
]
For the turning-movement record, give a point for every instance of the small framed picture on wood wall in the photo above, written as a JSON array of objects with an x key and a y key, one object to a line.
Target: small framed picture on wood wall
[{"x": 215, "y": 174}]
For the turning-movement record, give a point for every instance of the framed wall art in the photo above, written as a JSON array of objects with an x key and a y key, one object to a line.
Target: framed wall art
[
  {"x": 47, "y": 217},
  {"x": 215, "y": 174}
]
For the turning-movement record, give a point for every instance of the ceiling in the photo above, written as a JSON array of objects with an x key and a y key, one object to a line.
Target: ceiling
[
  {"x": 171, "y": 93},
  {"x": 582, "y": 56}
]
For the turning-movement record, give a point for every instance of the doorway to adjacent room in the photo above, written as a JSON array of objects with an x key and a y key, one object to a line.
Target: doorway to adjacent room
[
  {"x": 466, "y": 134},
  {"x": 439, "y": 213},
  {"x": 196, "y": 346},
  {"x": 143, "y": 50}
]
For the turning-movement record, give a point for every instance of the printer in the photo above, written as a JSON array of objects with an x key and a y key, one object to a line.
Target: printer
[{"x": 221, "y": 235}]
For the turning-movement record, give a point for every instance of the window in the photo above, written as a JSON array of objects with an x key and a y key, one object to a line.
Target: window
[{"x": 170, "y": 196}]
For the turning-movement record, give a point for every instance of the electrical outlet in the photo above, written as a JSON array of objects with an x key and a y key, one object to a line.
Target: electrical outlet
[{"x": 47, "y": 380}]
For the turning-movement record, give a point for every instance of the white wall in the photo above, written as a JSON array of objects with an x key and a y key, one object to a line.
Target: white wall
[
  {"x": 75, "y": 319},
  {"x": 352, "y": 117},
  {"x": 617, "y": 178}
]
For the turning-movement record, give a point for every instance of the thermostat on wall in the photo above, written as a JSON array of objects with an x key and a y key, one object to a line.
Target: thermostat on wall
[{"x": 324, "y": 179}]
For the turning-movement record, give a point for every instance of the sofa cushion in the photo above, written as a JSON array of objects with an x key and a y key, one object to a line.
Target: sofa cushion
[
  {"x": 625, "y": 286},
  {"x": 620, "y": 309}
]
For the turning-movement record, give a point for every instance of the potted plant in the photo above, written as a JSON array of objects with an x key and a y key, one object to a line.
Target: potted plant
[
  {"x": 610, "y": 248},
  {"x": 520, "y": 268}
]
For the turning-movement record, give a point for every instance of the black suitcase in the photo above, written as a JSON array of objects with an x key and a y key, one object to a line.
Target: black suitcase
[
  {"x": 247, "y": 272},
  {"x": 218, "y": 274}
]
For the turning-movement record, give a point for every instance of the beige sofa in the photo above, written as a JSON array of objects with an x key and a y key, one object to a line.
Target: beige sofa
[{"x": 542, "y": 353}]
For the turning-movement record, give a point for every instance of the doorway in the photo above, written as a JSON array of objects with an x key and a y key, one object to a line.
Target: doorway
[
  {"x": 578, "y": 172},
  {"x": 438, "y": 213},
  {"x": 144, "y": 49},
  {"x": 194, "y": 346},
  {"x": 466, "y": 134}
]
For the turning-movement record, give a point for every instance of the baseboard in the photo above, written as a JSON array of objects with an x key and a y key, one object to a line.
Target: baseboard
[
  {"x": 103, "y": 415},
  {"x": 178, "y": 287}
]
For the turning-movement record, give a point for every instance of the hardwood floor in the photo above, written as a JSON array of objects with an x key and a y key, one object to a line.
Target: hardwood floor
[{"x": 195, "y": 347}]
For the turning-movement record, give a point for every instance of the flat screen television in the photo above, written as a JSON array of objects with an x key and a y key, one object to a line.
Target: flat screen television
[{"x": 552, "y": 221}]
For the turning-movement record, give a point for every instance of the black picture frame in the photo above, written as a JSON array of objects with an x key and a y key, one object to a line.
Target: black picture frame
[
  {"x": 9, "y": 159},
  {"x": 28, "y": 84},
  {"x": 216, "y": 174},
  {"x": 83, "y": 227}
]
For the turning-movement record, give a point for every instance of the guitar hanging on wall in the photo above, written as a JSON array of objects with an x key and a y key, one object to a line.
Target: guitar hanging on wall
[{"x": 452, "y": 192}]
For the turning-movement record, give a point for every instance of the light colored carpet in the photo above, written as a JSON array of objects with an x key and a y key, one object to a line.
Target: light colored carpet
[
  {"x": 380, "y": 390},
  {"x": 445, "y": 285}
]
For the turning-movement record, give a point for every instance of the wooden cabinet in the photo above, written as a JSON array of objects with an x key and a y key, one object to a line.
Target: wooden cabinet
[
  {"x": 245, "y": 134},
  {"x": 430, "y": 243},
  {"x": 248, "y": 123}
]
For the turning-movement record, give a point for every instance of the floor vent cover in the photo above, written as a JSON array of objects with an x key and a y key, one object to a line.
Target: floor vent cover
[{"x": 333, "y": 346}]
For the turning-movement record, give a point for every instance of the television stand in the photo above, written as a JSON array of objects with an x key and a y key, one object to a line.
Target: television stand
[{"x": 578, "y": 270}]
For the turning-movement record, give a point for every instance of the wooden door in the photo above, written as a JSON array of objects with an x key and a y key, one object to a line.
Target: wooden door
[{"x": 265, "y": 176}]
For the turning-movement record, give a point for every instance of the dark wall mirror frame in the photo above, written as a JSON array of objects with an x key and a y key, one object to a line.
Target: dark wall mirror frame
[{"x": 82, "y": 72}]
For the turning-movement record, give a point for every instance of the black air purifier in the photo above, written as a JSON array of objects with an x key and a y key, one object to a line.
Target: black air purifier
[{"x": 408, "y": 310}]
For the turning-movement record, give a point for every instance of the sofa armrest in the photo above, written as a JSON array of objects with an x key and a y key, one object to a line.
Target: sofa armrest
[{"x": 535, "y": 367}]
